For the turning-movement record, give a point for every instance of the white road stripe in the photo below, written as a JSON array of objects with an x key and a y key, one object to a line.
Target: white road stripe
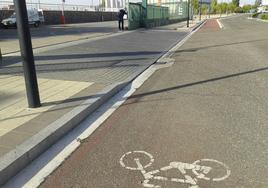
[{"x": 220, "y": 24}]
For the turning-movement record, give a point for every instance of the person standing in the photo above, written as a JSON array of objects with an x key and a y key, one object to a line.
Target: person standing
[{"x": 121, "y": 14}]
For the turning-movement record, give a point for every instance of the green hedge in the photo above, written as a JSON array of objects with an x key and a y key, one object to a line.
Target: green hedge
[{"x": 255, "y": 15}]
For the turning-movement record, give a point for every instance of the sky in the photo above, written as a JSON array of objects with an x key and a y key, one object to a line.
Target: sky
[{"x": 87, "y": 2}]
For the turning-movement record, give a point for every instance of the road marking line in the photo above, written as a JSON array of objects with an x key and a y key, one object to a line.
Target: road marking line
[{"x": 220, "y": 24}]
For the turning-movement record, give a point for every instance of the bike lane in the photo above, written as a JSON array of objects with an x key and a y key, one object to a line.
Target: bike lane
[{"x": 195, "y": 124}]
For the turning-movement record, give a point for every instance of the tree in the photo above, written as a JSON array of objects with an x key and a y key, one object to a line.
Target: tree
[
  {"x": 213, "y": 6},
  {"x": 218, "y": 9},
  {"x": 224, "y": 7},
  {"x": 238, "y": 10},
  {"x": 231, "y": 7},
  {"x": 204, "y": 9},
  {"x": 247, "y": 8},
  {"x": 195, "y": 6},
  {"x": 236, "y": 3}
]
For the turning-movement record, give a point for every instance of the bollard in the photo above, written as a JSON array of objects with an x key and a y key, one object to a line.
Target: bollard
[
  {"x": 62, "y": 19},
  {"x": 32, "y": 91}
]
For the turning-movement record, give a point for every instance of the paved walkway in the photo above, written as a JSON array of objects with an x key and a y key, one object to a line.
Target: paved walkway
[{"x": 73, "y": 81}]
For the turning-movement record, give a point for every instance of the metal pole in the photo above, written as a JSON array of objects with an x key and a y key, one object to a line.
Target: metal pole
[
  {"x": 200, "y": 10},
  {"x": 209, "y": 9},
  {"x": 27, "y": 54},
  {"x": 1, "y": 58},
  {"x": 188, "y": 13}
]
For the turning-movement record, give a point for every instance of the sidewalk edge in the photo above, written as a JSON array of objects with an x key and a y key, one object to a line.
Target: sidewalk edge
[{"x": 22, "y": 155}]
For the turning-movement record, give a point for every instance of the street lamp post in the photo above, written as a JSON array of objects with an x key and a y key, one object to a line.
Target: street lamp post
[
  {"x": 188, "y": 12},
  {"x": 27, "y": 54}
]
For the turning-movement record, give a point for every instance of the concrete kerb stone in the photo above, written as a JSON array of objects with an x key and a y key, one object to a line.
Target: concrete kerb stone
[
  {"x": 198, "y": 25},
  {"x": 22, "y": 155}
]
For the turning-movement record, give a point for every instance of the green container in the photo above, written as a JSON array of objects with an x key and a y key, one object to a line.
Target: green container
[{"x": 148, "y": 15}]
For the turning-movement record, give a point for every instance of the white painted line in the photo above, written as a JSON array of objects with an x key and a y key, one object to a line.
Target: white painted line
[
  {"x": 228, "y": 171},
  {"x": 34, "y": 174},
  {"x": 220, "y": 24},
  {"x": 151, "y": 160}
]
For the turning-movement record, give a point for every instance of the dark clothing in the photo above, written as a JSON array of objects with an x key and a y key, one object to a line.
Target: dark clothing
[
  {"x": 121, "y": 14},
  {"x": 121, "y": 24}
]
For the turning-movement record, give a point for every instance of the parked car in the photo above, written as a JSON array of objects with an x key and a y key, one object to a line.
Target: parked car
[{"x": 35, "y": 18}]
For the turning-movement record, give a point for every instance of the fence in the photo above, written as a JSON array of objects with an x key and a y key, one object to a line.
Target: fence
[
  {"x": 73, "y": 13},
  {"x": 156, "y": 14},
  {"x": 178, "y": 10},
  {"x": 53, "y": 17},
  {"x": 136, "y": 15}
]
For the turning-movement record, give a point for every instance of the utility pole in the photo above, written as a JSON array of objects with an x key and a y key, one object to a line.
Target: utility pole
[{"x": 27, "y": 54}]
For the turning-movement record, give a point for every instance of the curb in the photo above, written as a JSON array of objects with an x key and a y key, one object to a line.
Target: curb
[
  {"x": 17, "y": 159},
  {"x": 199, "y": 24},
  {"x": 22, "y": 155}
]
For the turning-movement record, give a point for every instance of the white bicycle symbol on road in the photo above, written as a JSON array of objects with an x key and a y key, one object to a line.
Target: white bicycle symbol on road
[{"x": 132, "y": 161}]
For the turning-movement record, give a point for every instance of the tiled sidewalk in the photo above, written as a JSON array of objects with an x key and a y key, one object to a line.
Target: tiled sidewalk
[{"x": 13, "y": 111}]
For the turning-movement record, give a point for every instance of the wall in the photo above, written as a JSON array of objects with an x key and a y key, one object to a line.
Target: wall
[{"x": 53, "y": 17}]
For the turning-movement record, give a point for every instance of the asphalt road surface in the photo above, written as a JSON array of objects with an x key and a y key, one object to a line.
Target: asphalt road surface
[{"x": 201, "y": 123}]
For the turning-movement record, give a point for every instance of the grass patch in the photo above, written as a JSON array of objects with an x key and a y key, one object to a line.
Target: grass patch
[{"x": 264, "y": 17}]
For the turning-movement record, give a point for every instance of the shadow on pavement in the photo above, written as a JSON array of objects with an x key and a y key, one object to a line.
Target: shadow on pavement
[
  {"x": 220, "y": 45},
  {"x": 80, "y": 65},
  {"x": 198, "y": 83}
]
